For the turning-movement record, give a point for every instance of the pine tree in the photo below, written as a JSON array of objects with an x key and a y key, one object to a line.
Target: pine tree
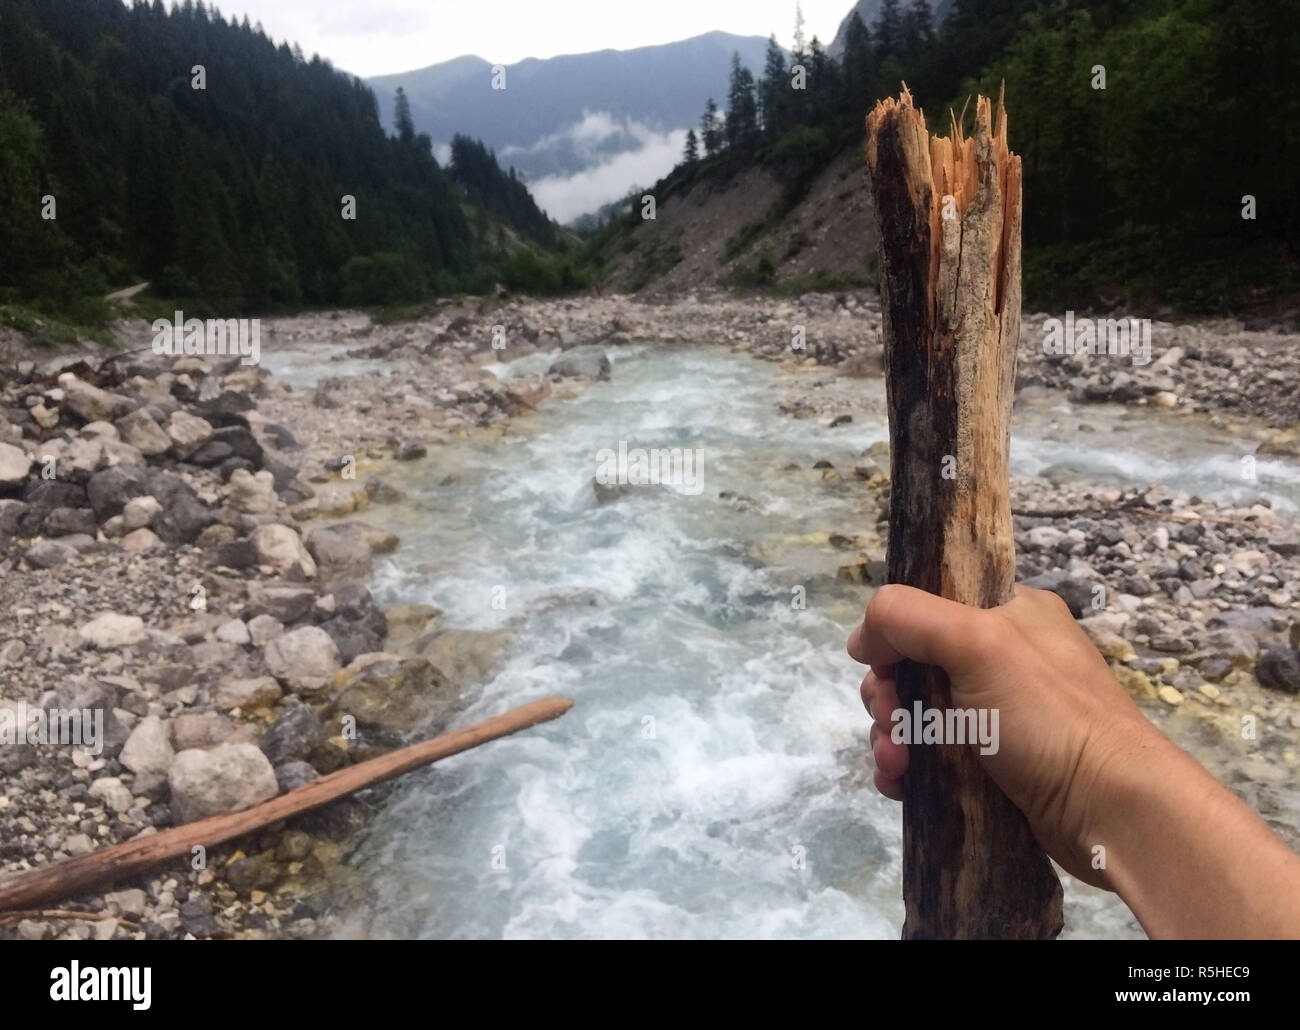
[
  {"x": 710, "y": 133},
  {"x": 889, "y": 28},
  {"x": 692, "y": 153},
  {"x": 857, "y": 61},
  {"x": 402, "y": 117},
  {"x": 774, "y": 90},
  {"x": 742, "y": 108}
]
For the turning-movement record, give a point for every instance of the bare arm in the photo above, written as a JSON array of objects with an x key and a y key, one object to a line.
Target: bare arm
[{"x": 1084, "y": 765}]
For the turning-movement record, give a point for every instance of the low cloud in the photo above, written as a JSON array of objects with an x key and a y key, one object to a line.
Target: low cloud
[{"x": 645, "y": 155}]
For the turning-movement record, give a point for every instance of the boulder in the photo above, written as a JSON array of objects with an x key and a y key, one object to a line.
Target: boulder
[
  {"x": 148, "y": 753},
  {"x": 226, "y": 778},
  {"x": 90, "y": 403},
  {"x": 391, "y": 692},
  {"x": 247, "y": 693},
  {"x": 14, "y": 465},
  {"x": 111, "y": 630},
  {"x": 187, "y": 433},
  {"x": 293, "y": 735},
  {"x": 304, "y": 659},
  {"x": 144, "y": 434},
  {"x": 281, "y": 548},
  {"x": 588, "y": 362}
]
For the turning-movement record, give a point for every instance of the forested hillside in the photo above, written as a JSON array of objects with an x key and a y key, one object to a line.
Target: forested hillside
[
  {"x": 191, "y": 151},
  {"x": 1160, "y": 139}
]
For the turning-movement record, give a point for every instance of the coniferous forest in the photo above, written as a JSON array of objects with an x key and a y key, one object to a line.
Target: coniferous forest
[
  {"x": 193, "y": 152},
  {"x": 1160, "y": 137}
]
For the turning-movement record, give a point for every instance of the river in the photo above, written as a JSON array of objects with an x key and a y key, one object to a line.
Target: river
[{"x": 713, "y": 778}]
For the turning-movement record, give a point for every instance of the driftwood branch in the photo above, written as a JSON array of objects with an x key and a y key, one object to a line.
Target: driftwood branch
[
  {"x": 949, "y": 216},
  {"x": 119, "y": 861}
]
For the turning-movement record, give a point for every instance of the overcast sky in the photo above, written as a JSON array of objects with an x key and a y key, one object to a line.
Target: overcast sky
[{"x": 376, "y": 37}]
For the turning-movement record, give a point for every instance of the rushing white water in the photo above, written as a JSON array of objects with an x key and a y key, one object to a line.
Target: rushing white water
[{"x": 713, "y": 779}]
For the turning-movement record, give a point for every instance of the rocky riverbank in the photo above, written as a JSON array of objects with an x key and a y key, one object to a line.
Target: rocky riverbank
[{"x": 186, "y": 549}]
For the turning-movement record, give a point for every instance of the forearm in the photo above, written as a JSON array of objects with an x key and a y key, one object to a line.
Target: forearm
[{"x": 1191, "y": 859}]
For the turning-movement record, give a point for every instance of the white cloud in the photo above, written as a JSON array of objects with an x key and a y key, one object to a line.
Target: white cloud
[{"x": 566, "y": 197}]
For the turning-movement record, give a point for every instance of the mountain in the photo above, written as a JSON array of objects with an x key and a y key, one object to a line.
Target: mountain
[
  {"x": 869, "y": 12},
  {"x": 193, "y": 152},
  {"x": 785, "y": 205},
  {"x": 580, "y": 128}
]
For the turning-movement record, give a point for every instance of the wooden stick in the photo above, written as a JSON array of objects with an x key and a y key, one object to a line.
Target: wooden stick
[
  {"x": 949, "y": 218},
  {"x": 39, "y": 886}
]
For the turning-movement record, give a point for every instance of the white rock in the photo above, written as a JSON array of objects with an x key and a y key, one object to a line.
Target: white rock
[
  {"x": 113, "y": 793},
  {"x": 226, "y": 778},
  {"x": 140, "y": 512},
  {"x": 303, "y": 659},
  {"x": 233, "y": 632},
  {"x": 148, "y": 750},
  {"x": 187, "y": 432},
  {"x": 111, "y": 630},
  {"x": 14, "y": 465},
  {"x": 282, "y": 549}
]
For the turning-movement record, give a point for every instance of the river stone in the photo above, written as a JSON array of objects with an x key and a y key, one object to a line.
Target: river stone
[
  {"x": 295, "y": 732},
  {"x": 113, "y": 793},
  {"x": 141, "y": 431},
  {"x": 588, "y": 362},
  {"x": 90, "y": 403},
  {"x": 110, "y": 488},
  {"x": 227, "y": 778},
  {"x": 187, "y": 433},
  {"x": 139, "y": 512},
  {"x": 262, "y": 629},
  {"x": 252, "y": 493},
  {"x": 111, "y": 630},
  {"x": 1076, "y": 593},
  {"x": 304, "y": 659},
  {"x": 281, "y": 548},
  {"x": 283, "y": 602},
  {"x": 340, "y": 554},
  {"x": 49, "y": 553},
  {"x": 247, "y": 693},
  {"x": 293, "y": 775},
  {"x": 391, "y": 692},
  {"x": 1279, "y": 669},
  {"x": 140, "y": 540},
  {"x": 69, "y": 522},
  {"x": 464, "y": 656},
  {"x": 148, "y": 753},
  {"x": 14, "y": 465}
]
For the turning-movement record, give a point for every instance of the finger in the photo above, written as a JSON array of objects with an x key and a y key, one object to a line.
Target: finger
[
  {"x": 876, "y": 675},
  {"x": 892, "y": 789},
  {"x": 903, "y": 622}
]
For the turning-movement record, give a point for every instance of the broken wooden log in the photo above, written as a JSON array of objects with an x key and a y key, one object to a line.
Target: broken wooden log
[
  {"x": 949, "y": 215},
  {"x": 38, "y": 887}
]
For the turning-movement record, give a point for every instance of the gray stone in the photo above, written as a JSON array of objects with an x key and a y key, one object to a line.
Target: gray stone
[{"x": 226, "y": 778}]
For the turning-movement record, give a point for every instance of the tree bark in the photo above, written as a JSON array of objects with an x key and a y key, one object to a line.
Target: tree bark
[
  {"x": 949, "y": 214},
  {"x": 119, "y": 861}
]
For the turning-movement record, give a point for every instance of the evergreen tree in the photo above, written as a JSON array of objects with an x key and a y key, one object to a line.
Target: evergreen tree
[
  {"x": 692, "y": 152},
  {"x": 774, "y": 90},
  {"x": 402, "y": 117},
  {"x": 889, "y": 26},
  {"x": 857, "y": 65},
  {"x": 710, "y": 133},
  {"x": 742, "y": 108}
]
